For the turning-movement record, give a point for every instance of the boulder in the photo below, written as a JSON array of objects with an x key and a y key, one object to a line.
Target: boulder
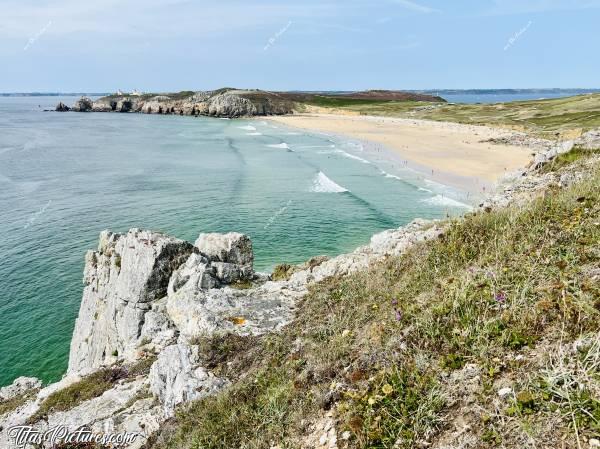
[
  {"x": 589, "y": 140},
  {"x": 84, "y": 104},
  {"x": 61, "y": 107},
  {"x": 177, "y": 377},
  {"x": 233, "y": 248},
  {"x": 19, "y": 386}
]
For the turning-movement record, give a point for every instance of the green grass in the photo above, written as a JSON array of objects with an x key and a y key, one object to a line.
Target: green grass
[
  {"x": 545, "y": 118},
  {"x": 565, "y": 159},
  {"x": 90, "y": 387},
  {"x": 377, "y": 347},
  {"x": 16, "y": 402}
]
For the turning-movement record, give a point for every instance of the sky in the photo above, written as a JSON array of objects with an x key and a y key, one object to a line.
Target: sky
[{"x": 172, "y": 45}]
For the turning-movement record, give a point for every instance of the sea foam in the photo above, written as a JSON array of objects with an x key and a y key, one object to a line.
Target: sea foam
[
  {"x": 283, "y": 146},
  {"x": 247, "y": 128},
  {"x": 352, "y": 156},
  {"x": 323, "y": 184}
]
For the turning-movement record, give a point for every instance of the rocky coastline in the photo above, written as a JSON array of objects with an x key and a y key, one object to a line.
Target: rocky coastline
[
  {"x": 227, "y": 103},
  {"x": 149, "y": 298}
]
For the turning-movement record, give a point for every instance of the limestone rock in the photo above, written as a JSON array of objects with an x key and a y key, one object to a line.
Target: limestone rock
[
  {"x": 84, "y": 104},
  {"x": 589, "y": 140},
  {"x": 177, "y": 377},
  {"x": 197, "y": 273},
  {"x": 19, "y": 386},
  {"x": 233, "y": 248},
  {"x": 196, "y": 312},
  {"x": 122, "y": 280}
]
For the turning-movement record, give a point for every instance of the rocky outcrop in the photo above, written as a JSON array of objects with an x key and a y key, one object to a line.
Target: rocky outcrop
[
  {"x": 84, "y": 104},
  {"x": 19, "y": 386},
  {"x": 146, "y": 292},
  {"x": 61, "y": 107},
  {"x": 219, "y": 103},
  {"x": 177, "y": 377},
  {"x": 123, "y": 280},
  {"x": 522, "y": 185}
]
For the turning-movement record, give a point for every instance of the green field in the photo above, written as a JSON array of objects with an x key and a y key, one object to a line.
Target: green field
[{"x": 566, "y": 116}]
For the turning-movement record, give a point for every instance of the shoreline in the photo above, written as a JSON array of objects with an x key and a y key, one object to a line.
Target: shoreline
[{"x": 471, "y": 165}]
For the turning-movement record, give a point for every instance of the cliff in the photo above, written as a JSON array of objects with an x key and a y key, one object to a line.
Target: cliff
[
  {"x": 219, "y": 103},
  {"x": 444, "y": 334},
  {"x": 230, "y": 103}
]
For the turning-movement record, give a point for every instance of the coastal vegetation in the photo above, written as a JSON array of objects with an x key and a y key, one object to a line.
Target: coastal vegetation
[
  {"x": 561, "y": 117},
  {"x": 91, "y": 386},
  {"x": 492, "y": 327}
]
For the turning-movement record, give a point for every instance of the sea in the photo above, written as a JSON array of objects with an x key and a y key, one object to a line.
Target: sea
[{"x": 65, "y": 177}]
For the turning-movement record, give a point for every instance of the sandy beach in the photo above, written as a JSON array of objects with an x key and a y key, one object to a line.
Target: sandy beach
[{"x": 449, "y": 153}]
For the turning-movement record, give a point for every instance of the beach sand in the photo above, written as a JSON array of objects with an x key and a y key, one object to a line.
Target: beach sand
[{"x": 449, "y": 153}]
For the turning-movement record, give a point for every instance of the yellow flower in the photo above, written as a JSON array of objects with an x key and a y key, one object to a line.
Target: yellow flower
[
  {"x": 387, "y": 389},
  {"x": 372, "y": 400}
]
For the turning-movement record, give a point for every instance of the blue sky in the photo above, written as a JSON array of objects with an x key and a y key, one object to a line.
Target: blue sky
[{"x": 166, "y": 45}]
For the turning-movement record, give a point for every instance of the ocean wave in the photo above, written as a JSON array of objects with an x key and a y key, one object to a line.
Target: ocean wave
[
  {"x": 441, "y": 200},
  {"x": 323, "y": 184},
  {"x": 388, "y": 175},
  {"x": 247, "y": 128},
  {"x": 254, "y": 134},
  {"x": 422, "y": 189},
  {"x": 283, "y": 146},
  {"x": 352, "y": 156}
]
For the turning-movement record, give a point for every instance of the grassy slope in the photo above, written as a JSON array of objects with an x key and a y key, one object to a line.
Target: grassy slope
[
  {"x": 543, "y": 117},
  {"x": 502, "y": 294}
]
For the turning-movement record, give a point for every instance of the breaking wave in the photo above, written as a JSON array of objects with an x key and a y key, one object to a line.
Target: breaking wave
[{"x": 323, "y": 184}]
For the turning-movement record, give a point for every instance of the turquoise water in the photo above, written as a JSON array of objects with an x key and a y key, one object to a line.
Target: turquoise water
[{"x": 64, "y": 177}]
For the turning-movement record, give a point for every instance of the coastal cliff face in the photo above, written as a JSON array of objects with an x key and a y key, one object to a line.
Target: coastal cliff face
[
  {"x": 233, "y": 103},
  {"x": 152, "y": 301},
  {"x": 220, "y": 103},
  {"x": 147, "y": 300}
]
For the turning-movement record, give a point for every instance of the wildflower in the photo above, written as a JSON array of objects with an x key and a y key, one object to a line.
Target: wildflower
[
  {"x": 387, "y": 389},
  {"x": 394, "y": 302},
  {"x": 345, "y": 333},
  {"x": 398, "y": 315},
  {"x": 372, "y": 400},
  {"x": 375, "y": 307},
  {"x": 500, "y": 297}
]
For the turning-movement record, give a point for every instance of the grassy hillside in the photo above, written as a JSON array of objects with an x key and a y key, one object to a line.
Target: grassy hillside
[
  {"x": 488, "y": 335},
  {"x": 543, "y": 117}
]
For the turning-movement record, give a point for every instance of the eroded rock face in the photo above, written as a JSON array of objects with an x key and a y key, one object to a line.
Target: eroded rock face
[
  {"x": 84, "y": 104},
  {"x": 232, "y": 248},
  {"x": 177, "y": 377},
  {"x": 19, "y": 386},
  {"x": 220, "y": 103},
  {"x": 122, "y": 280}
]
